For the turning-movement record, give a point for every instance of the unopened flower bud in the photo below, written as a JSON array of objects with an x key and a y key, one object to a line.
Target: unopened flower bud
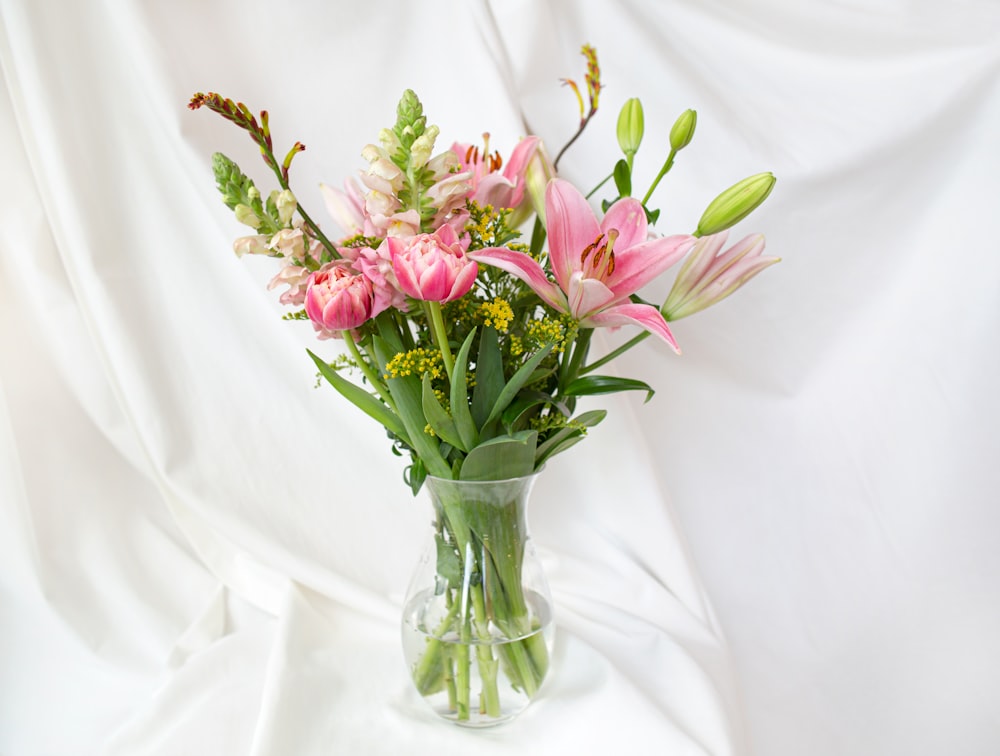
[
  {"x": 630, "y": 126},
  {"x": 735, "y": 204},
  {"x": 286, "y": 204},
  {"x": 683, "y": 130},
  {"x": 246, "y": 215},
  {"x": 253, "y": 193},
  {"x": 423, "y": 146},
  {"x": 389, "y": 141}
]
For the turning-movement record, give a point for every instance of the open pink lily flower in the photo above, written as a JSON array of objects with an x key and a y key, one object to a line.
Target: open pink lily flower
[
  {"x": 707, "y": 276},
  {"x": 490, "y": 185},
  {"x": 596, "y": 265}
]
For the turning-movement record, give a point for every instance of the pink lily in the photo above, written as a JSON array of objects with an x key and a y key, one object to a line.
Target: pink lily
[
  {"x": 490, "y": 186},
  {"x": 708, "y": 277},
  {"x": 596, "y": 265}
]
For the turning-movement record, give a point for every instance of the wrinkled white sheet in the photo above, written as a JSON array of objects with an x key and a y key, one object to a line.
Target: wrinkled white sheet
[{"x": 200, "y": 554}]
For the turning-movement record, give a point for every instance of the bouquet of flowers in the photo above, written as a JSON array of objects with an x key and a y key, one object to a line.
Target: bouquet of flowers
[{"x": 470, "y": 342}]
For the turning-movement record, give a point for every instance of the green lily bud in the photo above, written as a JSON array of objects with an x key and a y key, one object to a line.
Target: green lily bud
[
  {"x": 735, "y": 204},
  {"x": 247, "y": 216},
  {"x": 683, "y": 130},
  {"x": 630, "y": 126}
]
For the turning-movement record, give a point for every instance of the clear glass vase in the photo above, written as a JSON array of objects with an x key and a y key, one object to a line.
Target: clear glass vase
[{"x": 477, "y": 621}]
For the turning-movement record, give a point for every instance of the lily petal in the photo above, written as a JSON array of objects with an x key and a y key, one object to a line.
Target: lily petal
[
  {"x": 572, "y": 226},
  {"x": 587, "y": 295},
  {"x": 644, "y": 316},
  {"x": 628, "y": 218},
  {"x": 526, "y": 269},
  {"x": 636, "y": 266}
]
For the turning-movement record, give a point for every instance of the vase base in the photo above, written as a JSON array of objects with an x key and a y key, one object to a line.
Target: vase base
[{"x": 476, "y": 684}]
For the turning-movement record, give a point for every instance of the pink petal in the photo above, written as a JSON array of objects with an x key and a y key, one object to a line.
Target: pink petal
[
  {"x": 520, "y": 156},
  {"x": 434, "y": 282},
  {"x": 524, "y": 268},
  {"x": 463, "y": 281},
  {"x": 644, "y": 316},
  {"x": 587, "y": 295},
  {"x": 699, "y": 261},
  {"x": 638, "y": 265},
  {"x": 629, "y": 219},
  {"x": 571, "y": 227},
  {"x": 495, "y": 190}
]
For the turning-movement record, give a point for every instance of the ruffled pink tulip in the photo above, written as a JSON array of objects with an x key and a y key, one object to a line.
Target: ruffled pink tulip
[
  {"x": 597, "y": 265},
  {"x": 708, "y": 276},
  {"x": 338, "y": 299},
  {"x": 432, "y": 267}
]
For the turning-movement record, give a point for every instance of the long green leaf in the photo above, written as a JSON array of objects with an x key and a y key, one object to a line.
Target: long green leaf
[
  {"x": 517, "y": 382},
  {"x": 591, "y": 385},
  {"x": 438, "y": 417},
  {"x": 502, "y": 458},
  {"x": 489, "y": 377},
  {"x": 406, "y": 393},
  {"x": 460, "y": 412},
  {"x": 363, "y": 400}
]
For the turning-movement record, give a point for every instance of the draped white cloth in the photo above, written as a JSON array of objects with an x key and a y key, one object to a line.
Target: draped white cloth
[{"x": 790, "y": 550}]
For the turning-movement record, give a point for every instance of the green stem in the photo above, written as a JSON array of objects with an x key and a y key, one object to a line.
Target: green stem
[
  {"x": 571, "y": 369},
  {"x": 427, "y": 673},
  {"x": 488, "y": 666},
  {"x": 663, "y": 172},
  {"x": 404, "y": 331},
  {"x": 367, "y": 371},
  {"x": 440, "y": 336},
  {"x": 605, "y": 180},
  {"x": 583, "y": 125},
  {"x": 283, "y": 182},
  {"x": 614, "y": 353}
]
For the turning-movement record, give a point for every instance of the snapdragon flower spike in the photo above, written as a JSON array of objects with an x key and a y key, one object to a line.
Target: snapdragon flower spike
[
  {"x": 597, "y": 266},
  {"x": 708, "y": 277}
]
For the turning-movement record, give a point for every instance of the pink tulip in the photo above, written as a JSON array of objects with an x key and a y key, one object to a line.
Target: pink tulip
[
  {"x": 708, "y": 277},
  {"x": 338, "y": 299},
  {"x": 490, "y": 185},
  {"x": 597, "y": 265},
  {"x": 432, "y": 267}
]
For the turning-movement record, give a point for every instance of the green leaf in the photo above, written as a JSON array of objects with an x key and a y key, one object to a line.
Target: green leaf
[
  {"x": 460, "y": 397},
  {"x": 623, "y": 178},
  {"x": 592, "y": 385},
  {"x": 407, "y": 395},
  {"x": 438, "y": 418},
  {"x": 489, "y": 377},
  {"x": 449, "y": 564},
  {"x": 361, "y": 399},
  {"x": 517, "y": 382},
  {"x": 502, "y": 457},
  {"x": 415, "y": 475}
]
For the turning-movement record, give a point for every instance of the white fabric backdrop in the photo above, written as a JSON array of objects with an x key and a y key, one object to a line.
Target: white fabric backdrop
[{"x": 201, "y": 554}]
